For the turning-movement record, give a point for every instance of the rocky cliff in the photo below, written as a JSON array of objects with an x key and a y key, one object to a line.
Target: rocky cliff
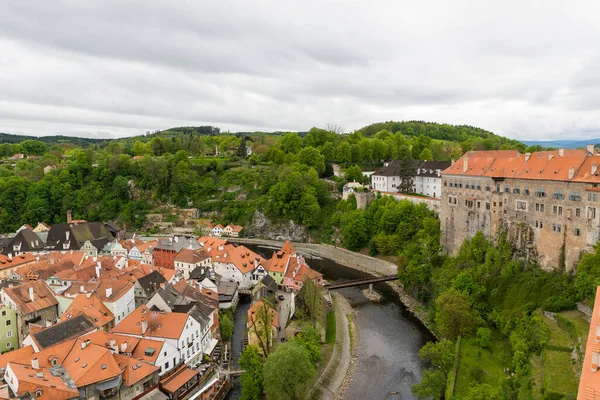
[{"x": 262, "y": 227}]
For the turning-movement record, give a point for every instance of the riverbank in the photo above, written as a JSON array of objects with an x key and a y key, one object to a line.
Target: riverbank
[
  {"x": 337, "y": 375},
  {"x": 357, "y": 261}
]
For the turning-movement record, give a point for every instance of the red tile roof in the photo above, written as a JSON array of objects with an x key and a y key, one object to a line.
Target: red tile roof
[
  {"x": 43, "y": 296},
  {"x": 163, "y": 325},
  {"x": 90, "y": 305},
  {"x": 51, "y": 387},
  {"x": 173, "y": 382}
]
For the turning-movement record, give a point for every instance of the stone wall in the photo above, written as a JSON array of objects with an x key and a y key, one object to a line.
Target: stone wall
[{"x": 431, "y": 203}]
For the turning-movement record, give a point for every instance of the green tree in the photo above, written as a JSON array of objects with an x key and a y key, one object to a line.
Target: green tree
[
  {"x": 455, "y": 315},
  {"x": 484, "y": 337},
  {"x": 354, "y": 173},
  {"x": 426, "y": 155},
  {"x": 407, "y": 172},
  {"x": 343, "y": 153},
  {"x": 242, "y": 150},
  {"x": 354, "y": 230},
  {"x": 34, "y": 147},
  {"x": 432, "y": 385},
  {"x": 310, "y": 339},
  {"x": 291, "y": 143},
  {"x": 226, "y": 326},
  {"x": 286, "y": 372},
  {"x": 311, "y": 157},
  {"x": 483, "y": 391},
  {"x": 252, "y": 379},
  {"x": 438, "y": 355}
]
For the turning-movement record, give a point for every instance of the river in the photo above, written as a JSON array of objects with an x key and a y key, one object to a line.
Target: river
[{"x": 390, "y": 338}]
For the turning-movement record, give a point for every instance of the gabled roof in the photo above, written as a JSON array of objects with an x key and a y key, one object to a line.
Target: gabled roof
[
  {"x": 176, "y": 244},
  {"x": 27, "y": 240},
  {"x": 70, "y": 328},
  {"x": 10, "y": 262},
  {"x": 78, "y": 234},
  {"x": 17, "y": 354},
  {"x": 118, "y": 289},
  {"x": 151, "y": 282},
  {"x": 90, "y": 305},
  {"x": 147, "y": 349},
  {"x": 43, "y": 296},
  {"x": 163, "y": 325},
  {"x": 51, "y": 385},
  {"x": 191, "y": 256},
  {"x": 133, "y": 370},
  {"x": 88, "y": 363},
  {"x": 268, "y": 282}
]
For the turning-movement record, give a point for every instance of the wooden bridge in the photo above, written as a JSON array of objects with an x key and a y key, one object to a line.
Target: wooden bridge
[{"x": 358, "y": 282}]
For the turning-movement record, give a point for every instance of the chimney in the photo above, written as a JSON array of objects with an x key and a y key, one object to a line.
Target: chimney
[
  {"x": 98, "y": 267},
  {"x": 113, "y": 345},
  {"x": 176, "y": 239},
  {"x": 108, "y": 291},
  {"x": 81, "y": 289},
  {"x": 527, "y": 156},
  {"x": 550, "y": 156},
  {"x": 35, "y": 363},
  {"x": 10, "y": 256},
  {"x": 88, "y": 295},
  {"x": 452, "y": 161},
  {"x": 48, "y": 323},
  {"x": 84, "y": 343},
  {"x": 571, "y": 172},
  {"x": 561, "y": 152},
  {"x": 67, "y": 233},
  {"x": 590, "y": 149},
  {"x": 144, "y": 324},
  {"x": 124, "y": 229},
  {"x": 123, "y": 347},
  {"x": 465, "y": 164},
  {"x": 31, "y": 294},
  {"x": 595, "y": 361},
  {"x": 69, "y": 218},
  {"x": 594, "y": 168}
]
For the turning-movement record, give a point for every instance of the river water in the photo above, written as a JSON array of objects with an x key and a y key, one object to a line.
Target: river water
[{"x": 390, "y": 338}]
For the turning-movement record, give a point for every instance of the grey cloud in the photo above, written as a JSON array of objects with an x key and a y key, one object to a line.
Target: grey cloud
[{"x": 520, "y": 69}]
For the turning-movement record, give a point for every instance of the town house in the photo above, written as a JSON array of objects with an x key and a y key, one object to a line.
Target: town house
[{"x": 34, "y": 303}]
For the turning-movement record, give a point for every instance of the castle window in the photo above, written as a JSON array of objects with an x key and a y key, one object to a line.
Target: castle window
[
  {"x": 487, "y": 206},
  {"x": 540, "y": 192},
  {"x": 578, "y": 212},
  {"x": 591, "y": 212},
  {"x": 522, "y": 205},
  {"x": 506, "y": 189},
  {"x": 577, "y": 232},
  {"x": 487, "y": 188},
  {"x": 557, "y": 210},
  {"x": 556, "y": 228},
  {"x": 575, "y": 196},
  {"x": 558, "y": 195},
  {"x": 517, "y": 191}
]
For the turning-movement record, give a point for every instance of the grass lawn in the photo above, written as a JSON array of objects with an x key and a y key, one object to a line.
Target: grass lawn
[
  {"x": 537, "y": 376},
  {"x": 559, "y": 375},
  {"x": 330, "y": 330},
  {"x": 558, "y": 337},
  {"x": 472, "y": 357},
  {"x": 581, "y": 322}
]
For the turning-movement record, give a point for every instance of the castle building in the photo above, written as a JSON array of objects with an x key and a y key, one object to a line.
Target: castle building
[{"x": 546, "y": 201}]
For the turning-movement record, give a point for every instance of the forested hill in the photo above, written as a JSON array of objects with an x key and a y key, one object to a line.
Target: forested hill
[
  {"x": 51, "y": 140},
  {"x": 434, "y": 130}
]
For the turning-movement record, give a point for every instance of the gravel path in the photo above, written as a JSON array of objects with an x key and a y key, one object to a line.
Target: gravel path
[{"x": 338, "y": 374}]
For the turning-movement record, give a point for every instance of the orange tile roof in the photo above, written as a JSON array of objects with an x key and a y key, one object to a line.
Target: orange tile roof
[
  {"x": 589, "y": 383},
  {"x": 51, "y": 387},
  {"x": 305, "y": 272},
  {"x": 119, "y": 288},
  {"x": 210, "y": 241},
  {"x": 173, "y": 382},
  {"x": 128, "y": 244},
  {"x": 14, "y": 355},
  {"x": 11, "y": 262},
  {"x": 90, "y": 364},
  {"x": 555, "y": 165},
  {"x": 244, "y": 259},
  {"x": 90, "y": 305},
  {"x": 145, "y": 344},
  {"x": 133, "y": 370},
  {"x": 191, "y": 256},
  {"x": 254, "y": 309},
  {"x": 43, "y": 296},
  {"x": 163, "y": 325}
]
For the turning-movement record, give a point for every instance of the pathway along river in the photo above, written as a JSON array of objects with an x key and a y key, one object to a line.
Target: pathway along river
[{"x": 390, "y": 338}]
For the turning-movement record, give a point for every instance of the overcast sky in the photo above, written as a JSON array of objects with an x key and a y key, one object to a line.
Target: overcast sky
[{"x": 523, "y": 69}]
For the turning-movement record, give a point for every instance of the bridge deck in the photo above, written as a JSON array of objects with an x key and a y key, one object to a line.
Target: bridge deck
[{"x": 358, "y": 282}]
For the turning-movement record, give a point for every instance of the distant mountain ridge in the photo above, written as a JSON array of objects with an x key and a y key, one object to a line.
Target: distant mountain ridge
[{"x": 563, "y": 144}]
